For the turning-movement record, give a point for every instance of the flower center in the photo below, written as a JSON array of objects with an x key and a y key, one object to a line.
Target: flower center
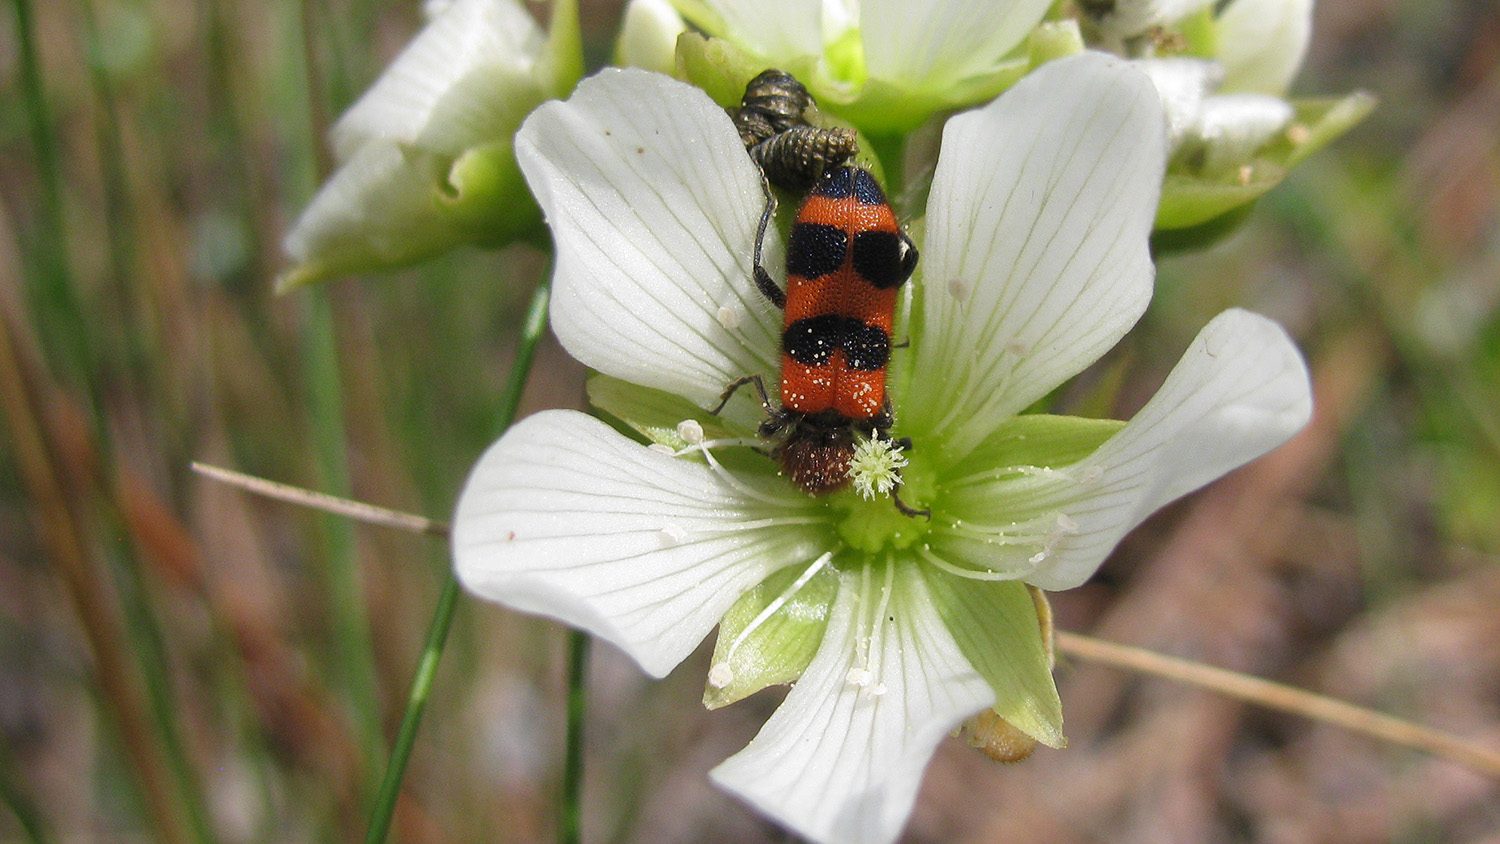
[{"x": 876, "y": 525}]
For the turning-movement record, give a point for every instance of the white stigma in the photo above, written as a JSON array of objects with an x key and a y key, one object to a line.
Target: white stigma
[{"x": 876, "y": 467}]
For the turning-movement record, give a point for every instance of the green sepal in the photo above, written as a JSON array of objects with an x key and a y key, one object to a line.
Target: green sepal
[
  {"x": 1200, "y": 34},
  {"x": 780, "y": 649},
  {"x": 882, "y": 107},
  {"x": 561, "y": 64},
  {"x": 1176, "y": 241},
  {"x": 1054, "y": 40},
  {"x": 1325, "y": 120},
  {"x": 720, "y": 68},
  {"x": 995, "y": 626},
  {"x": 652, "y": 413},
  {"x": 1190, "y": 198},
  {"x": 1043, "y": 440},
  {"x": 486, "y": 196}
]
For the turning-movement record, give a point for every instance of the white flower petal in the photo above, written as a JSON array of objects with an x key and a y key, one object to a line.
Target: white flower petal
[
  {"x": 1262, "y": 43},
  {"x": 1182, "y": 84},
  {"x": 567, "y": 518},
  {"x": 463, "y": 81},
  {"x": 1240, "y": 390},
  {"x": 653, "y": 205},
  {"x": 648, "y": 36},
  {"x": 1036, "y": 259},
  {"x": 1233, "y": 127},
  {"x": 375, "y": 211},
  {"x": 842, "y": 758},
  {"x": 923, "y": 44},
  {"x": 777, "y": 30}
]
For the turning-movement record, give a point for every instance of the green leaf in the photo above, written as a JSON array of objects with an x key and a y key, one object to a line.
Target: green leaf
[
  {"x": 781, "y": 646},
  {"x": 995, "y": 625}
]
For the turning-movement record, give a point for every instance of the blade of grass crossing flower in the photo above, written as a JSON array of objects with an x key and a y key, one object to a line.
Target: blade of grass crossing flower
[{"x": 442, "y": 618}]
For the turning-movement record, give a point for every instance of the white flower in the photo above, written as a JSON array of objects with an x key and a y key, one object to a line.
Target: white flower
[
  {"x": 1226, "y": 106},
  {"x": 1221, "y": 130},
  {"x": 1262, "y": 44},
  {"x": 895, "y": 629},
  {"x": 424, "y": 157},
  {"x": 886, "y": 65},
  {"x": 648, "y": 36}
]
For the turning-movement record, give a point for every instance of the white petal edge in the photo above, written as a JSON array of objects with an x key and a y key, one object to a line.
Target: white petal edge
[
  {"x": 778, "y": 30},
  {"x": 1036, "y": 257},
  {"x": 376, "y": 210},
  {"x": 653, "y": 205},
  {"x": 842, "y": 757},
  {"x": 1182, "y": 85},
  {"x": 567, "y": 518},
  {"x": 648, "y": 36},
  {"x": 1241, "y": 390},
  {"x": 1262, "y": 44},
  {"x": 926, "y": 44},
  {"x": 463, "y": 81},
  {"x": 1233, "y": 127}
]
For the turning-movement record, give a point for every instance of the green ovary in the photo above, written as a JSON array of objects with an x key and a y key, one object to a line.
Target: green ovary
[{"x": 877, "y": 525}]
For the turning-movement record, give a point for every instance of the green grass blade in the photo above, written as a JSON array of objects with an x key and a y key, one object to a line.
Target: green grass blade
[{"x": 442, "y": 619}]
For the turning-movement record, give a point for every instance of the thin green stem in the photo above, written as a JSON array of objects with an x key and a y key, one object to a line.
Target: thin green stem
[
  {"x": 442, "y": 618},
  {"x": 416, "y": 705},
  {"x": 570, "y": 825}
]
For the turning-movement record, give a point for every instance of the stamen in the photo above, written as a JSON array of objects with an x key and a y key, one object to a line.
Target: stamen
[
  {"x": 691, "y": 431},
  {"x": 1002, "y": 473},
  {"x": 774, "y": 607},
  {"x": 735, "y": 483},
  {"x": 988, "y": 576},
  {"x": 720, "y": 675},
  {"x": 726, "y": 442},
  {"x": 862, "y": 674},
  {"x": 1032, "y": 531}
]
